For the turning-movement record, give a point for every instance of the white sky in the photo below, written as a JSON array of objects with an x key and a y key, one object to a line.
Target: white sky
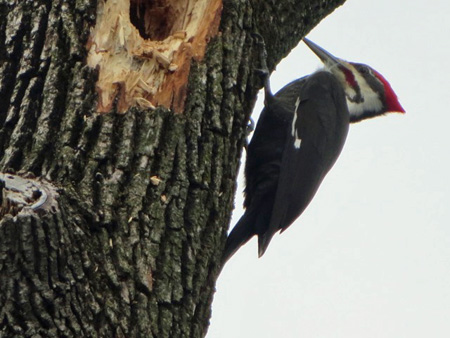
[{"x": 370, "y": 257}]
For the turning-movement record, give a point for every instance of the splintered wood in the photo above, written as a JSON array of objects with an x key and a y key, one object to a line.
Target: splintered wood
[{"x": 143, "y": 50}]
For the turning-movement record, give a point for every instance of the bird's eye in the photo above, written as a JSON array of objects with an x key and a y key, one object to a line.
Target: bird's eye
[{"x": 364, "y": 70}]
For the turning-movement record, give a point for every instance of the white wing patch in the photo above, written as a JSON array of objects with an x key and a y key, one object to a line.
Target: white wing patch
[{"x": 298, "y": 140}]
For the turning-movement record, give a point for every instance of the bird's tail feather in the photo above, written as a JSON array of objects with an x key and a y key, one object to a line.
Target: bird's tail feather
[
  {"x": 263, "y": 243},
  {"x": 255, "y": 221},
  {"x": 241, "y": 233}
]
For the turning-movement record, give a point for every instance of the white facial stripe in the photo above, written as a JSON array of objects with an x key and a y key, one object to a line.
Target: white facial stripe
[
  {"x": 371, "y": 101},
  {"x": 294, "y": 131}
]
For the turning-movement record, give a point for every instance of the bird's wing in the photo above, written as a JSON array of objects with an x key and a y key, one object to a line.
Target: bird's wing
[{"x": 318, "y": 132}]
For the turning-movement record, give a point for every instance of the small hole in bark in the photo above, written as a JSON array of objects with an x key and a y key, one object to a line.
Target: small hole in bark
[
  {"x": 155, "y": 19},
  {"x": 36, "y": 194}
]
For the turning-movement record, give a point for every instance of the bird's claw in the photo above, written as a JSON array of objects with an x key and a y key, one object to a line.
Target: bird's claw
[
  {"x": 259, "y": 40},
  {"x": 250, "y": 128},
  {"x": 263, "y": 71}
]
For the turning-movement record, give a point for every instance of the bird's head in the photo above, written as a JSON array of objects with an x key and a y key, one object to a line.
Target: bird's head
[{"x": 368, "y": 93}]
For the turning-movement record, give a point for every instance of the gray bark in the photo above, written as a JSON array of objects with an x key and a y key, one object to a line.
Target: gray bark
[{"x": 138, "y": 205}]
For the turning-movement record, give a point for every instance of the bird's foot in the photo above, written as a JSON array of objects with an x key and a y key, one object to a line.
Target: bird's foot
[
  {"x": 250, "y": 126},
  {"x": 248, "y": 131},
  {"x": 263, "y": 71}
]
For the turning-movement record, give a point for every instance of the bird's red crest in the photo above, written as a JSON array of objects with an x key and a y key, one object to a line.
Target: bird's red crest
[{"x": 392, "y": 103}]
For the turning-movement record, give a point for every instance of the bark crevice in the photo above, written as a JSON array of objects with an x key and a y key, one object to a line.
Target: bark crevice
[{"x": 132, "y": 246}]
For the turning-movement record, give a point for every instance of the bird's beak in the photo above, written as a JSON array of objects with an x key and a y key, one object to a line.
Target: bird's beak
[{"x": 326, "y": 57}]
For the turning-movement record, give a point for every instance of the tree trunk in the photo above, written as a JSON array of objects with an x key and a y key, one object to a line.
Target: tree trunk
[{"x": 112, "y": 225}]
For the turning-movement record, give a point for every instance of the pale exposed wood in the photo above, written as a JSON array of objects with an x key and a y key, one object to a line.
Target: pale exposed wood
[{"x": 142, "y": 72}]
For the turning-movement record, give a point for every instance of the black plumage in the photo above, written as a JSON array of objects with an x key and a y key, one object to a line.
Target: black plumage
[
  {"x": 275, "y": 197},
  {"x": 299, "y": 136}
]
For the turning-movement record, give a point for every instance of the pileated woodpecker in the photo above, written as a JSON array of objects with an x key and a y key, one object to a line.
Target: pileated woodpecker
[{"x": 298, "y": 138}]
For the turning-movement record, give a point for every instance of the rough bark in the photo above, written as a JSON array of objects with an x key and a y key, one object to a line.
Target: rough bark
[{"x": 129, "y": 238}]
